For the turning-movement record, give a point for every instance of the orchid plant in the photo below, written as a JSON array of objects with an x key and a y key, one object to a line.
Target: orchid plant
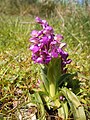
[{"x": 53, "y": 91}]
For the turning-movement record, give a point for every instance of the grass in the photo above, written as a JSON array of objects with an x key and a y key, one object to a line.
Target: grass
[{"x": 17, "y": 71}]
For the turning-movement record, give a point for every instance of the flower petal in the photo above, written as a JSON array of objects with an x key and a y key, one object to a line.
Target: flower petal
[
  {"x": 62, "y": 45},
  {"x": 34, "y": 33},
  {"x": 34, "y": 48},
  {"x": 58, "y": 37},
  {"x": 39, "y": 60}
]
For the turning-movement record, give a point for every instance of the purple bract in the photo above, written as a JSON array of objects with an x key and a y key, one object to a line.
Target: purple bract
[{"x": 46, "y": 45}]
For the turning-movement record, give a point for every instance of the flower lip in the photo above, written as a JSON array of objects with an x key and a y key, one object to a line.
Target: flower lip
[
  {"x": 63, "y": 54},
  {"x": 33, "y": 40},
  {"x": 42, "y": 22},
  {"x": 47, "y": 60},
  {"x": 34, "y": 48},
  {"x": 68, "y": 61},
  {"x": 48, "y": 30},
  {"x": 62, "y": 45},
  {"x": 44, "y": 40},
  {"x": 39, "y": 60},
  {"x": 54, "y": 53},
  {"x": 34, "y": 33},
  {"x": 38, "y": 20},
  {"x": 58, "y": 37}
]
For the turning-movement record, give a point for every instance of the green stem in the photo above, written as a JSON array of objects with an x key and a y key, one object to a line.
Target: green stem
[
  {"x": 52, "y": 93},
  {"x": 52, "y": 89}
]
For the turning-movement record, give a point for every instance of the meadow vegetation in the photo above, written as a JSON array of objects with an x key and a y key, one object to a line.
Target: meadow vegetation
[{"x": 18, "y": 74}]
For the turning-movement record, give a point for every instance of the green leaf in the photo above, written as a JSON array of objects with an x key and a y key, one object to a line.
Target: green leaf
[
  {"x": 75, "y": 105},
  {"x": 56, "y": 64},
  {"x": 54, "y": 71},
  {"x": 81, "y": 113},
  {"x": 40, "y": 106},
  {"x": 65, "y": 107},
  {"x": 71, "y": 97},
  {"x": 50, "y": 73},
  {"x": 63, "y": 111},
  {"x": 54, "y": 68},
  {"x": 63, "y": 78},
  {"x": 78, "y": 113},
  {"x": 45, "y": 81}
]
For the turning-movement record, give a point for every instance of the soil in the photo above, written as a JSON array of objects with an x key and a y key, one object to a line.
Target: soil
[{"x": 52, "y": 115}]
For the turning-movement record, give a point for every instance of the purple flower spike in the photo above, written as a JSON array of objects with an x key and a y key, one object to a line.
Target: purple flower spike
[{"x": 46, "y": 45}]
